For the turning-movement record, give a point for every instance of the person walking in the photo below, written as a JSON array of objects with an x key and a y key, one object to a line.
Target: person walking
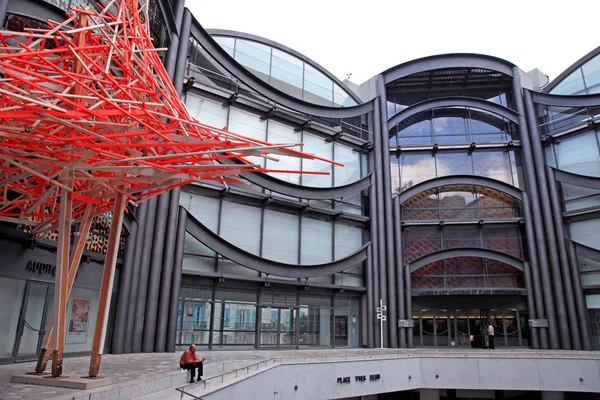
[
  {"x": 491, "y": 336},
  {"x": 190, "y": 360}
]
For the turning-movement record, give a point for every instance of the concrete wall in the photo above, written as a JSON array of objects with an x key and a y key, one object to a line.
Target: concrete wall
[{"x": 320, "y": 380}]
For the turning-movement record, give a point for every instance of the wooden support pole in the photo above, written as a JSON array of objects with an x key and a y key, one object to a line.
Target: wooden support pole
[
  {"x": 84, "y": 229},
  {"x": 62, "y": 274},
  {"x": 108, "y": 274}
]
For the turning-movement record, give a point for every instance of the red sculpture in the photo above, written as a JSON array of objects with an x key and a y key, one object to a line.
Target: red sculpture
[{"x": 90, "y": 121}]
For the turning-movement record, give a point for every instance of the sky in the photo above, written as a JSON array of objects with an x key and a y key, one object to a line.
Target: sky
[{"x": 349, "y": 37}]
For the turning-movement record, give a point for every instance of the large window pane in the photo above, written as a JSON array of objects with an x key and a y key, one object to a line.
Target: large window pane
[
  {"x": 249, "y": 125},
  {"x": 454, "y": 164},
  {"x": 316, "y": 241},
  {"x": 414, "y": 169},
  {"x": 586, "y": 232},
  {"x": 204, "y": 209},
  {"x": 286, "y": 73},
  {"x": 226, "y": 43},
  {"x": 207, "y": 111},
  {"x": 460, "y": 237},
  {"x": 420, "y": 242},
  {"x": 280, "y": 241},
  {"x": 254, "y": 56},
  {"x": 350, "y": 172},
  {"x": 279, "y": 133},
  {"x": 317, "y": 146},
  {"x": 495, "y": 165},
  {"x": 348, "y": 239},
  {"x": 577, "y": 197},
  {"x": 317, "y": 87},
  {"x": 415, "y": 134},
  {"x": 240, "y": 225},
  {"x": 572, "y": 84},
  {"x": 458, "y": 205},
  {"x": 579, "y": 154},
  {"x": 447, "y": 128}
]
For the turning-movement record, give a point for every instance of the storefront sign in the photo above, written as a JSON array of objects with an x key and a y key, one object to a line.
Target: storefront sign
[
  {"x": 406, "y": 323},
  {"x": 79, "y": 321},
  {"x": 468, "y": 292},
  {"x": 538, "y": 323},
  {"x": 358, "y": 378},
  {"x": 41, "y": 268}
]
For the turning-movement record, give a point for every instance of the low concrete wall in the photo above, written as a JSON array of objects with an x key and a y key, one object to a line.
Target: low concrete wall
[{"x": 322, "y": 380}]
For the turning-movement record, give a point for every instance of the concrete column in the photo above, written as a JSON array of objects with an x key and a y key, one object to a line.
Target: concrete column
[
  {"x": 429, "y": 394},
  {"x": 553, "y": 395}
]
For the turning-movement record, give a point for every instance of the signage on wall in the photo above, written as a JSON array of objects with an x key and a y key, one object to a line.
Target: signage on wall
[
  {"x": 406, "y": 323},
  {"x": 358, "y": 378},
  {"x": 468, "y": 292},
  {"x": 538, "y": 323},
  {"x": 79, "y": 320},
  {"x": 41, "y": 268}
]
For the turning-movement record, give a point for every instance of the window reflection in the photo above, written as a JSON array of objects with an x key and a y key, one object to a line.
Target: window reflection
[
  {"x": 286, "y": 72},
  {"x": 584, "y": 80},
  {"x": 408, "y": 170},
  {"x": 577, "y": 154}
]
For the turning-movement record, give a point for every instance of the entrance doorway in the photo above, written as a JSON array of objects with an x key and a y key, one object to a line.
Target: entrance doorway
[
  {"x": 464, "y": 327},
  {"x": 278, "y": 327},
  {"x": 36, "y": 306}
]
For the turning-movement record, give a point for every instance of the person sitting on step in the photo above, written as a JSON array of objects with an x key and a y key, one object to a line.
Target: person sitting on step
[{"x": 190, "y": 360}]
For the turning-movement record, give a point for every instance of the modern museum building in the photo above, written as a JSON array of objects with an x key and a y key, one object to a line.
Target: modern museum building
[{"x": 469, "y": 195}]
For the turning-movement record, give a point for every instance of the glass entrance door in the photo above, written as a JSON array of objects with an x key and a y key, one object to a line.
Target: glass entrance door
[
  {"x": 35, "y": 309},
  {"x": 278, "y": 327}
]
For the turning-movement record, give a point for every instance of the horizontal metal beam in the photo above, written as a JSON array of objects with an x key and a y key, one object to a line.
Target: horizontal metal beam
[
  {"x": 213, "y": 241},
  {"x": 447, "y": 61},
  {"x": 461, "y": 180},
  {"x": 454, "y": 101},
  {"x": 588, "y": 100},
  {"x": 590, "y": 182},
  {"x": 467, "y": 252}
]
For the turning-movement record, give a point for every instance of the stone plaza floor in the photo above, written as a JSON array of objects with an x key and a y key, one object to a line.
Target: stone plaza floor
[{"x": 129, "y": 370}]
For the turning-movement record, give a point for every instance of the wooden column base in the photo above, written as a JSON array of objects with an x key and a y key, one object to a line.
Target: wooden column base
[
  {"x": 57, "y": 363},
  {"x": 95, "y": 365},
  {"x": 42, "y": 362}
]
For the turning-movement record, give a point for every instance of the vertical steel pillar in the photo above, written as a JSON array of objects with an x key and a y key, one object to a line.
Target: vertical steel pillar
[
  {"x": 546, "y": 211},
  {"x": 142, "y": 284},
  {"x": 141, "y": 214},
  {"x": 538, "y": 228},
  {"x": 374, "y": 253},
  {"x": 110, "y": 264},
  {"x": 408, "y": 302},
  {"x": 381, "y": 253},
  {"x": 118, "y": 343},
  {"x": 176, "y": 281},
  {"x": 3, "y": 9},
  {"x": 582, "y": 312},
  {"x": 387, "y": 217},
  {"x": 564, "y": 259},
  {"x": 533, "y": 282},
  {"x": 162, "y": 209},
  {"x": 400, "y": 299}
]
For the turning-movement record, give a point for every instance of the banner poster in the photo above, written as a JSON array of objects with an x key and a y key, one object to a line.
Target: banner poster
[{"x": 79, "y": 321}]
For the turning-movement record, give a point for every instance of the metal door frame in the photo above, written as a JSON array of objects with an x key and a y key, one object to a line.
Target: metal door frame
[
  {"x": 294, "y": 317},
  {"x": 22, "y": 319}
]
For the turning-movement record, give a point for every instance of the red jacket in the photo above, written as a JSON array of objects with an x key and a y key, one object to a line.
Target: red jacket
[{"x": 189, "y": 357}]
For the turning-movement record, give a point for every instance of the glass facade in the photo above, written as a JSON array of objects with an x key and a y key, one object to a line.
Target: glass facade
[
  {"x": 220, "y": 317},
  {"x": 410, "y": 169},
  {"x": 583, "y": 80},
  {"x": 452, "y": 125},
  {"x": 281, "y": 235},
  {"x": 578, "y": 154},
  {"x": 286, "y": 72},
  {"x": 250, "y": 125}
]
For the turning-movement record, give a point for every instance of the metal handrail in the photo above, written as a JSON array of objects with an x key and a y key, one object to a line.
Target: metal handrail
[{"x": 222, "y": 375}]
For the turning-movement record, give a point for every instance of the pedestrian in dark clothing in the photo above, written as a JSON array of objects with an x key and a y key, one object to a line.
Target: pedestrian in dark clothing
[{"x": 190, "y": 360}]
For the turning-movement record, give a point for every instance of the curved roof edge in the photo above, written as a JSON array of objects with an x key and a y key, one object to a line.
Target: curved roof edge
[
  {"x": 252, "y": 261},
  {"x": 570, "y": 70},
  {"x": 452, "y": 101},
  {"x": 467, "y": 252},
  {"x": 276, "y": 95},
  {"x": 453, "y": 60},
  {"x": 307, "y": 192},
  {"x": 570, "y": 178},
  {"x": 461, "y": 180},
  {"x": 269, "y": 42},
  {"x": 559, "y": 100}
]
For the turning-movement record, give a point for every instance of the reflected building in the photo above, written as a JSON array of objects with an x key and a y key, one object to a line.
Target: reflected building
[{"x": 468, "y": 195}]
